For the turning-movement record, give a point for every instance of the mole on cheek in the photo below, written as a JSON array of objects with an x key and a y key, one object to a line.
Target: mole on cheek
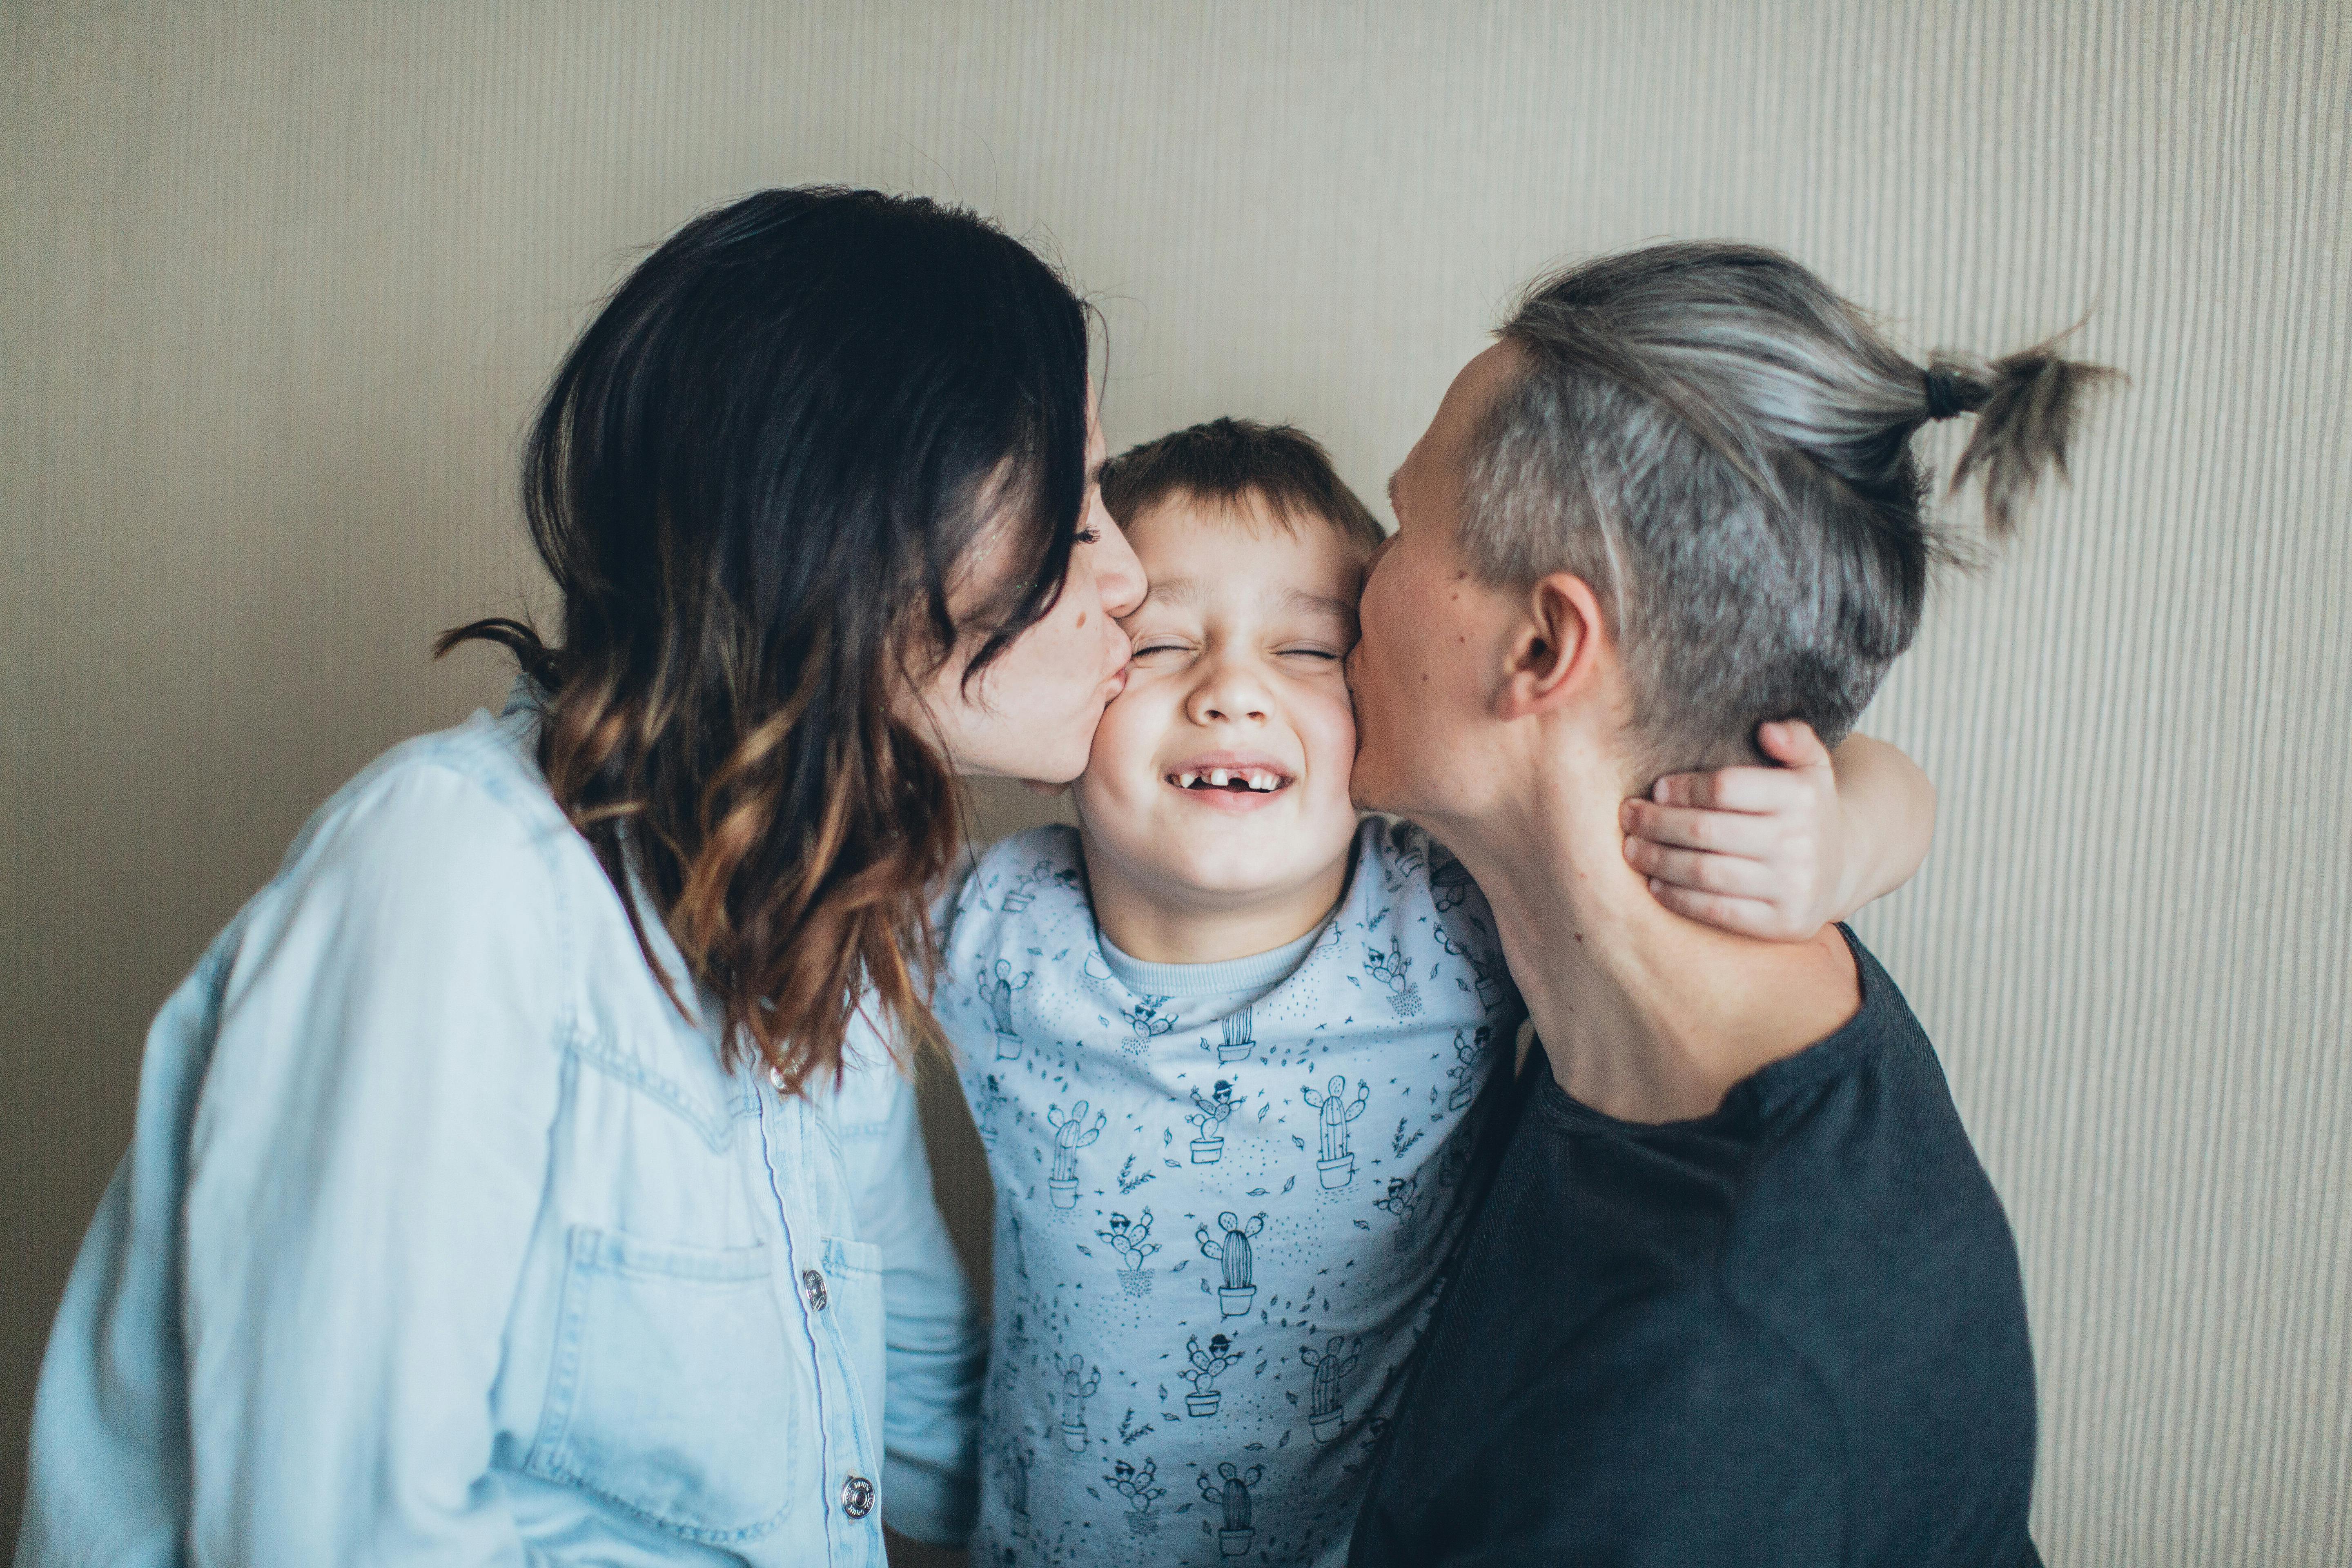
[{"x": 1082, "y": 617}]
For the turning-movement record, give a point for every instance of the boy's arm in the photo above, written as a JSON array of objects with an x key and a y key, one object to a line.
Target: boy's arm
[{"x": 1781, "y": 852}]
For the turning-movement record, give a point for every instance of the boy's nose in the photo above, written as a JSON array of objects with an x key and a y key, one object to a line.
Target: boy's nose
[{"x": 1228, "y": 695}]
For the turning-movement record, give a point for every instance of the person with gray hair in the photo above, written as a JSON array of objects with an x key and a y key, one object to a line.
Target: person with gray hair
[{"x": 1739, "y": 1290}]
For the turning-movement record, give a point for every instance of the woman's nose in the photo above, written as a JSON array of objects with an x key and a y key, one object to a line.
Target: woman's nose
[{"x": 1118, "y": 576}]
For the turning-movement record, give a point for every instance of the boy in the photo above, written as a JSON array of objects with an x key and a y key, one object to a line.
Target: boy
[{"x": 1228, "y": 1049}]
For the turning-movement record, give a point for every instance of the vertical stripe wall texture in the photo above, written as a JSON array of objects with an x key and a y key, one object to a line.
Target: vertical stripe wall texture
[{"x": 284, "y": 278}]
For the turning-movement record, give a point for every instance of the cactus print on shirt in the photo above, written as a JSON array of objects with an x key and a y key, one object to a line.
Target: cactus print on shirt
[{"x": 1223, "y": 1199}]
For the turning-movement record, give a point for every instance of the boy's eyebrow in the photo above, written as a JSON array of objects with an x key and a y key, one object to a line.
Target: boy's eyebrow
[
  {"x": 1187, "y": 590},
  {"x": 1300, "y": 599},
  {"x": 1172, "y": 591}
]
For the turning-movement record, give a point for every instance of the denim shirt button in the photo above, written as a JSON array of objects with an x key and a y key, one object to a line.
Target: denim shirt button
[
  {"x": 857, "y": 1496},
  {"x": 812, "y": 1282}
]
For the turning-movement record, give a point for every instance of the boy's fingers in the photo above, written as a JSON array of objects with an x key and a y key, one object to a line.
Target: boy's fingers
[
  {"x": 1699, "y": 871},
  {"x": 1753, "y": 790},
  {"x": 1718, "y": 832},
  {"x": 1746, "y": 917},
  {"x": 1792, "y": 744},
  {"x": 1696, "y": 790}
]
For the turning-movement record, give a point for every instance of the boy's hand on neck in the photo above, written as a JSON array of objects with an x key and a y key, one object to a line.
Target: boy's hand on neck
[
  {"x": 1780, "y": 852},
  {"x": 1644, "y": 1014}
]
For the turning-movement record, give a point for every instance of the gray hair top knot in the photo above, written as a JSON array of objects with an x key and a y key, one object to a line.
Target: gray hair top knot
[
  {"x": 1725, "y": 449},
  {"x": 1943, "y": 395},
  {"x": 2028, "y": 406}
]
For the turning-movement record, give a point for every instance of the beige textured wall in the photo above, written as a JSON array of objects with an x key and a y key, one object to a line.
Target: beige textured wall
[{"x": 281, "y": 280}]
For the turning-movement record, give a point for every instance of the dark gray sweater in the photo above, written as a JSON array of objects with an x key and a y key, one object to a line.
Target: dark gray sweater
[{"x": 1789, "y": 1333}]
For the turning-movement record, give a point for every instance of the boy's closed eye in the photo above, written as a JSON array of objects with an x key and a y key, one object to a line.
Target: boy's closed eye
[{"x": 1316, "y": 653}]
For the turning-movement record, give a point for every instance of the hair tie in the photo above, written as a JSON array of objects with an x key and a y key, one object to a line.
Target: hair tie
[{"x": 1943, "y": 394}]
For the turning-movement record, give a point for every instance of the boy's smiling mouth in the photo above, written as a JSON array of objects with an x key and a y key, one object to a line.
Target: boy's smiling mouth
[
  {"x": 1257, "y": 779},
  {"x": 1229, "y": 779}
]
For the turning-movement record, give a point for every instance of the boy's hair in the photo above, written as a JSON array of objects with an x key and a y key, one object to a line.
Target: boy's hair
[
  {"x": 1721, "y": 446},
  {"x": 1225, "y": 461}
]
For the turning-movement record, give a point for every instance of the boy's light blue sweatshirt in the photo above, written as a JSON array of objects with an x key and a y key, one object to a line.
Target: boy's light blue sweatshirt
[{"x": 1223, "y": 1195}]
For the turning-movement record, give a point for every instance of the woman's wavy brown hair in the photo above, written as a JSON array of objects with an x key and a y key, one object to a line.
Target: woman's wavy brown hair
[{"x": 752, "y": 481}]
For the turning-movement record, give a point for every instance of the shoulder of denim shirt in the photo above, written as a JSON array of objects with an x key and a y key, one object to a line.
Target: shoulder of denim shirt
[
  {"x": 460, "y": 823},
  {"x": 455, "y": 828},
  {"x": 471, "y": 788}
]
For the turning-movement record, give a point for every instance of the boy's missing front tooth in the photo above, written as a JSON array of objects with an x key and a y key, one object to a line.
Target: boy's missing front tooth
[{"x": 1257, "y": 780}]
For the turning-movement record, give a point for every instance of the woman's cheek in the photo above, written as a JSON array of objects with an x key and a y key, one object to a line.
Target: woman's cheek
[{"x": 1102, "y": 757}]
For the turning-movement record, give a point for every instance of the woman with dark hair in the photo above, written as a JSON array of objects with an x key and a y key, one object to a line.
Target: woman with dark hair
[{"x": 516, "y": 1177}]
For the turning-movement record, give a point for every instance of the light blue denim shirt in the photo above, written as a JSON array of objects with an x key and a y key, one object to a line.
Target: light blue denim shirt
[{"x": 444, "y": 1238}]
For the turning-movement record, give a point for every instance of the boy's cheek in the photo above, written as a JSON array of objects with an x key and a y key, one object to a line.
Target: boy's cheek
[
  {"x": 1332, "y": 741},
  {"x": 1125, "y": 740}
]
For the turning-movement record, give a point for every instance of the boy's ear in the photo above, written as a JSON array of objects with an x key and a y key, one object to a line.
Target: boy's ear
[{"x": 1555, "y": 651}]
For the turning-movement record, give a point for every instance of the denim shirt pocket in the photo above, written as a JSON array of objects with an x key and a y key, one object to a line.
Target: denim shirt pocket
[
  {"x": 853, "y": 1269},
  {"x": 672, "y": 1393}
]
